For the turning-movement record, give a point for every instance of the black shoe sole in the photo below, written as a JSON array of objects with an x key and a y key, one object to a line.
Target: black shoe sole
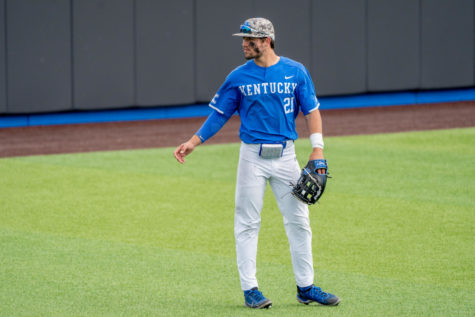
[
  {"x": 308, "y": 301},
  {"x": 267, "y": 305}
]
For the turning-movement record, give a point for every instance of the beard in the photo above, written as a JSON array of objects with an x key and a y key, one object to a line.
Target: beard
[{"x": 255, "y": 53}]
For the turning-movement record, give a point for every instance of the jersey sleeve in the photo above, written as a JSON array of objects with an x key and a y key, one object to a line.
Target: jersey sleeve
[
  {"x": 227, "y": 99},
  {"x": 211, "y": 126},
  {"x": 305, "y": 93}
]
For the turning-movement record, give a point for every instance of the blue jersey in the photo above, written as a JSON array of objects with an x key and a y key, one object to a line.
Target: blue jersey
[{"x": 268, "y": 99}]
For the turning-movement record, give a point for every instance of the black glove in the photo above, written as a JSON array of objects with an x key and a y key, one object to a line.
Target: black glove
[{"x": 311, "y": 185}]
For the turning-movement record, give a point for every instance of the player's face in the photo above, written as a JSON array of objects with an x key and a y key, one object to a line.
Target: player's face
[{"x": 252, "y": 47}]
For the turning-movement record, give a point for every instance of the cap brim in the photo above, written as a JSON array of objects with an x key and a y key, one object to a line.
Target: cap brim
[
  {"x": 247, "y": 35},
  {"x": 252, "y": 35}
]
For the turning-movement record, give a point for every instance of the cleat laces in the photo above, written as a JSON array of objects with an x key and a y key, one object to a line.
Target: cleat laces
[
  {"x": 256, "y": 295},
  {"x": 317, "y": 292}
]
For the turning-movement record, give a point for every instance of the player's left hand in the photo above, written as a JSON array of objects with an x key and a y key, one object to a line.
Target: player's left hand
[
  {"x": 317, "y": 154},
  {"x": 311, "y": 184}
]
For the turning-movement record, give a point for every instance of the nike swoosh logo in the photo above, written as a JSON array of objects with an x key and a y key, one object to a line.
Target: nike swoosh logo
[{"x": 288, "y": 77}]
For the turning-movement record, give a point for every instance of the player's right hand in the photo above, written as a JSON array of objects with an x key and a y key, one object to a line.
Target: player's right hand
[
  {"x": 186, "y": 148},
  {"x": 181, "y": 151}
]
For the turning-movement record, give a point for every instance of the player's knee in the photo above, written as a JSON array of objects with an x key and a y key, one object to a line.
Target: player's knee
[{"x": 250, "y": 229}]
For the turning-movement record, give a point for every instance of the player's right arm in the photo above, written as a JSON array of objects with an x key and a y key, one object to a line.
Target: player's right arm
[
  {"x": 224, "y": 104},
  {"x": 209, "y": 128}
]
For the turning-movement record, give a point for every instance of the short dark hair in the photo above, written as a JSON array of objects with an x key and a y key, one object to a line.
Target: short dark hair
[{"x": 272, "y": 42}]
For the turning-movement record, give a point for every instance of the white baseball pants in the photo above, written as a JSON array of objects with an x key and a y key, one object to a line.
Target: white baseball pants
[{"x": 252, "y": 176}]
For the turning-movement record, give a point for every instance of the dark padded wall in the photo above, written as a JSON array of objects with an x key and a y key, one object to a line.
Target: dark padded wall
[
  {"x": 291, "y": 20},
  {"x": 393, "y": 45},
  {"x": 96, "y": 54},
  {"x": 103, "y": 43},
  {"x": 339, "y": 46},
  {"x": 165, "y": 51},
  {"x": 447, "y": 43},
  {"x": 217, "y": 52},
  {"x": 38, "y": 55},
  {"x": 3, "y": 82}
]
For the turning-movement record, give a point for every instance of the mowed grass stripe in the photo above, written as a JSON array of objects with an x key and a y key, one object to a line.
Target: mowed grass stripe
[
  {"x": 134, "y": 233},
  {"x": 54, "y": 275}
]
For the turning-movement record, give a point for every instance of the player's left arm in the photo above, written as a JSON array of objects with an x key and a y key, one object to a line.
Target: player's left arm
[
  {"x": 314, "y": 125},
  {"x": 305, "y": 96},
  {"x": 313, "y": 178}
]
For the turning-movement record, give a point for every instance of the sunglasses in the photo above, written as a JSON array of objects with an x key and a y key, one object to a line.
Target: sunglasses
[{"x": 246, "y": 29}]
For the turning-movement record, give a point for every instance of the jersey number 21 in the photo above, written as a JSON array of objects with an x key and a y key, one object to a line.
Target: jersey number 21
[{"x": 289, "y": 104}]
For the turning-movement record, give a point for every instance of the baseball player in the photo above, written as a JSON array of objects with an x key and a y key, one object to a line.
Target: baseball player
[{"x": 268, "y": 92}]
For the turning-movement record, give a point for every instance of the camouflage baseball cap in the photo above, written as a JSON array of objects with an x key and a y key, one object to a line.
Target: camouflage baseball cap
[{"x": 257, "y": 27}]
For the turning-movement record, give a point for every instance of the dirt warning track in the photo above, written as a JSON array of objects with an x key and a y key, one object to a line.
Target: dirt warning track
[{"x": 171, "y": 132}]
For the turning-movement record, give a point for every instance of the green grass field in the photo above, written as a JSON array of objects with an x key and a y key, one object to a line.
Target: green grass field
[{"x": 133, "y": 233}]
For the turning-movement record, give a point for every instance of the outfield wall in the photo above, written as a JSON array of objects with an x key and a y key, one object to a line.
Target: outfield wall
[
  {"x": 202, "y": 109},
  {"x": 65, "y": 55}
]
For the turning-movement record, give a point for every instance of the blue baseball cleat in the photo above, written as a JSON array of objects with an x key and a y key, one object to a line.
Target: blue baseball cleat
[
  {"x": 253, "y": 298},
  {"x": 312, "y": 293}
]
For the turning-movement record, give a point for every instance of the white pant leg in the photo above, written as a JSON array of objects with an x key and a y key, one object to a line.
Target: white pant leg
[
  {"x": 286, "y": 171},
  {"x": 250, "y": 187}
]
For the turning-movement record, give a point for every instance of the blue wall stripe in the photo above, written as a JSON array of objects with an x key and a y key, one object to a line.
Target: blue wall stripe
[
  {"x": 397, "y": 99},
  {"x": 202, "y": 110}
]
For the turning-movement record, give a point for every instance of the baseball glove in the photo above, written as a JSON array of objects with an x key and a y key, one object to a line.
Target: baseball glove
[{"x": 311, "y": 185}]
